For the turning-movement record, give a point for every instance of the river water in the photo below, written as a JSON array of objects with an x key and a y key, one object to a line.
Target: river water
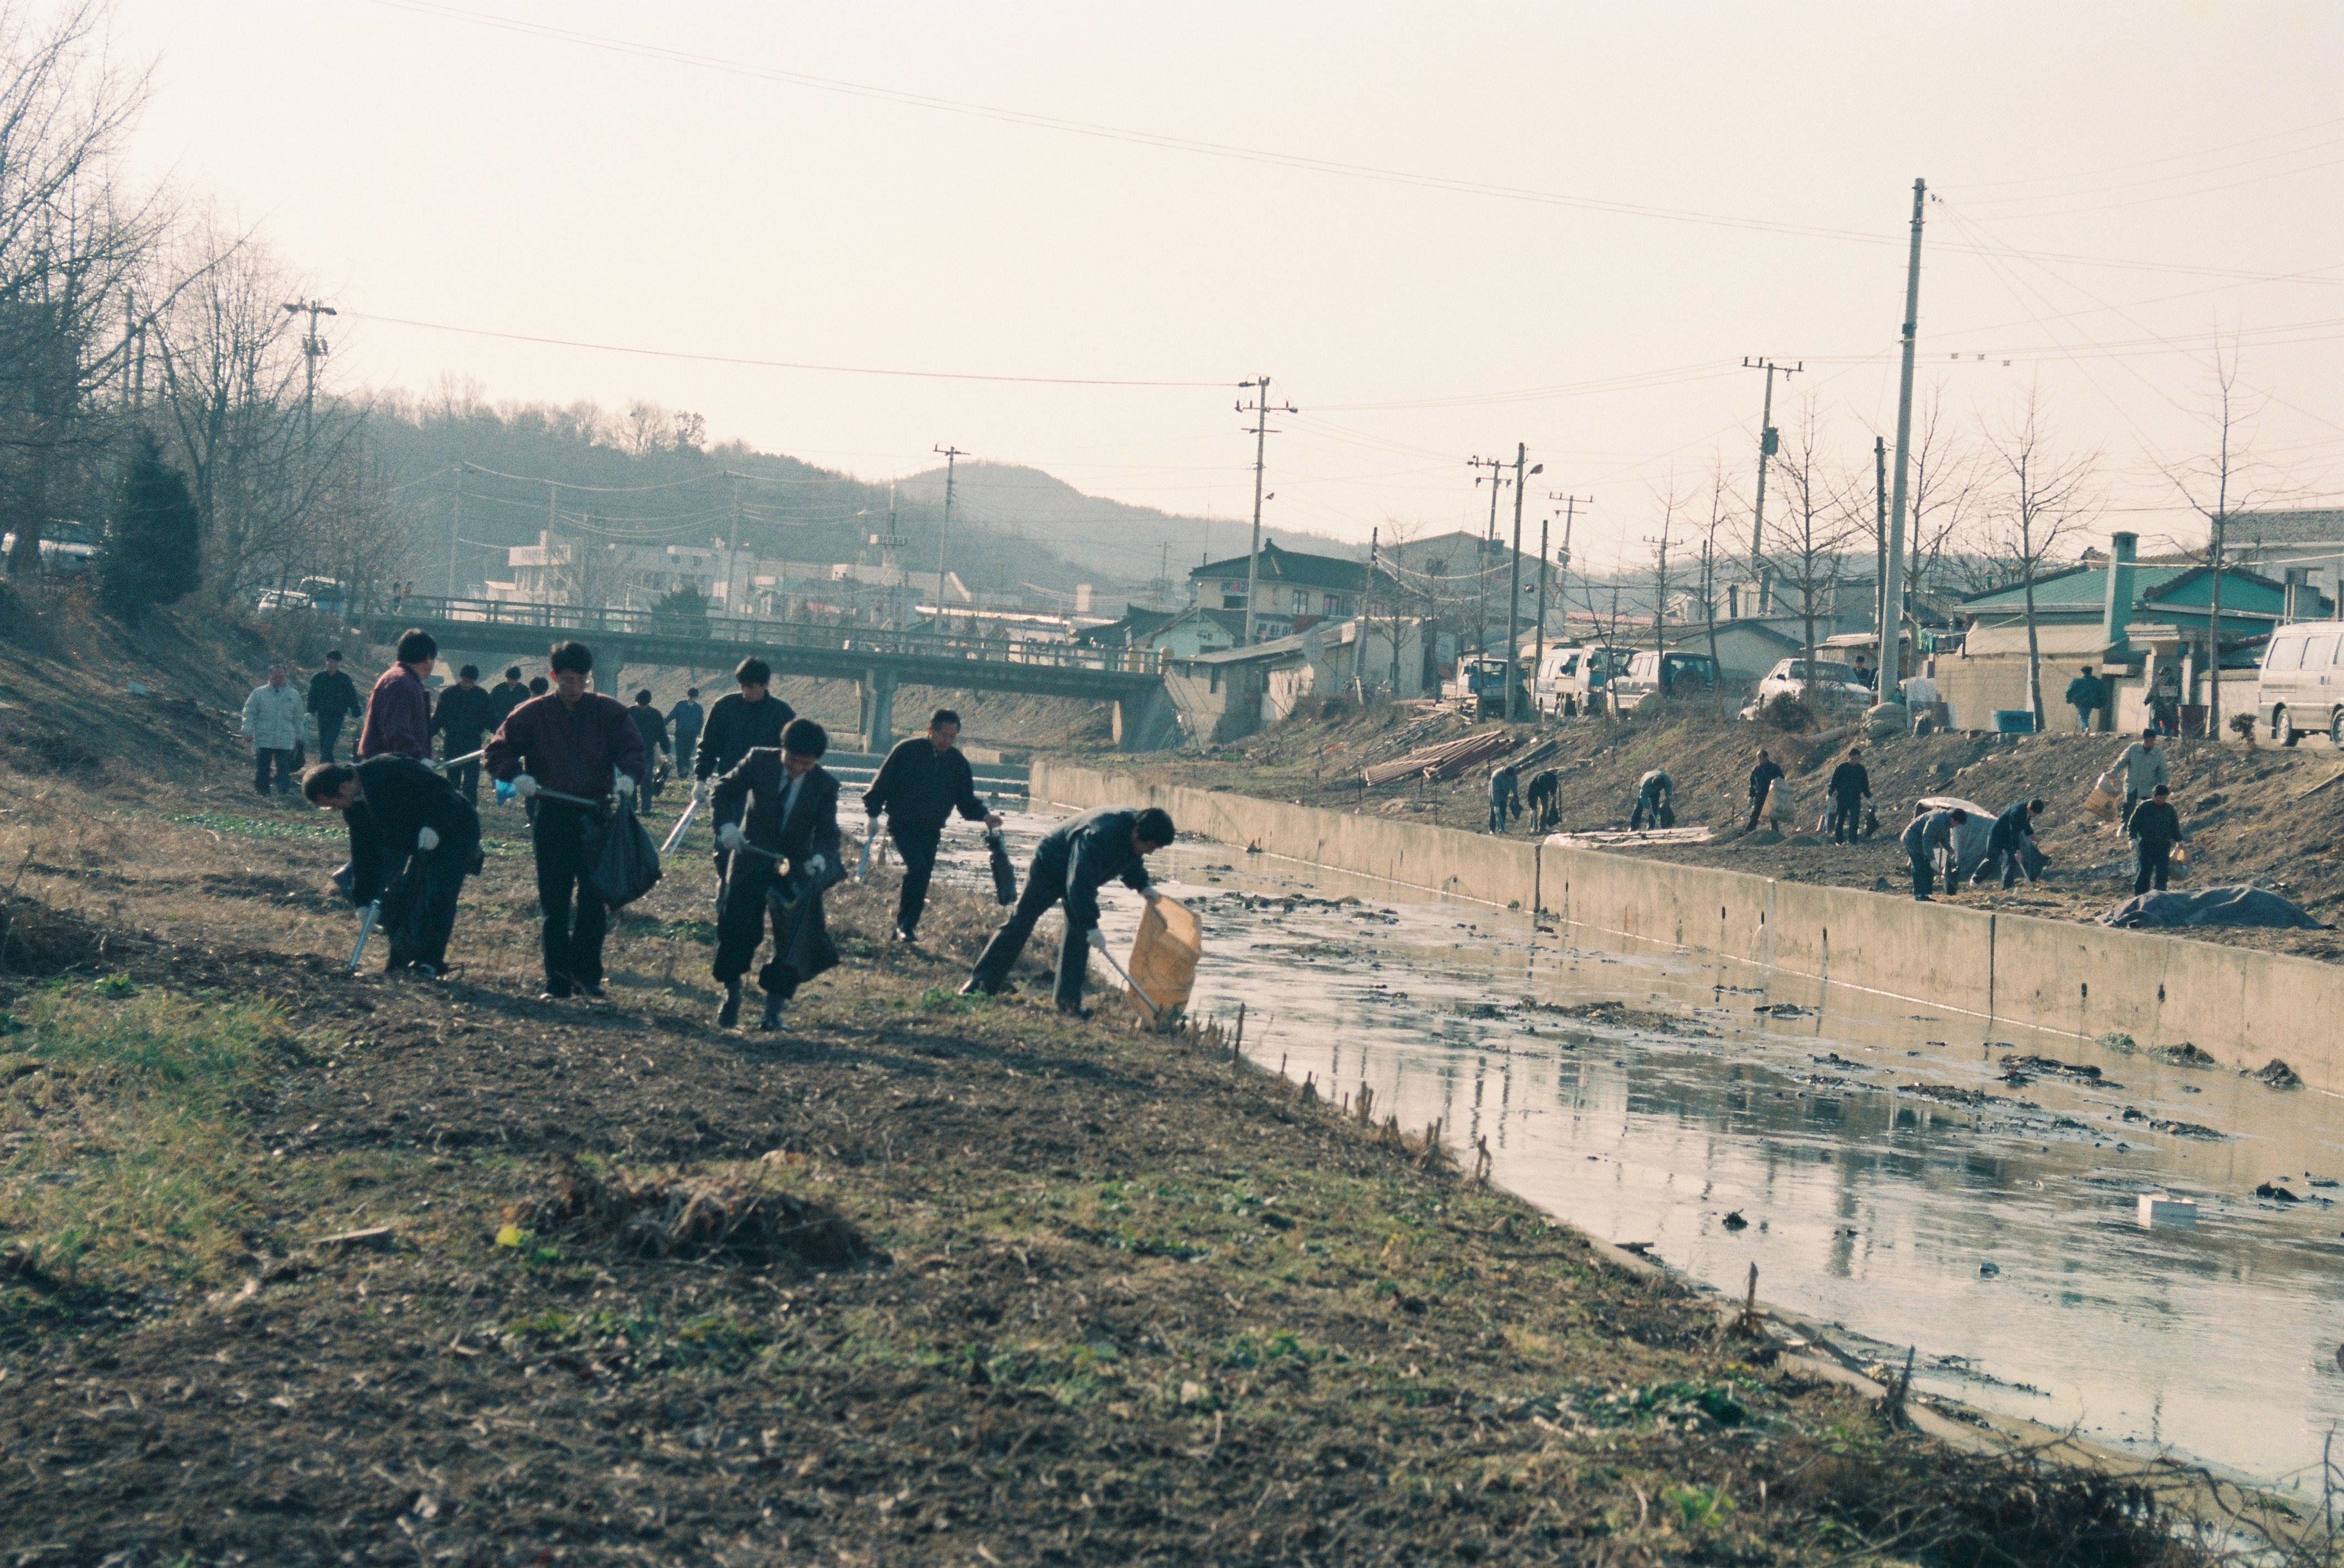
[{"x": 1889, "y": 1177}]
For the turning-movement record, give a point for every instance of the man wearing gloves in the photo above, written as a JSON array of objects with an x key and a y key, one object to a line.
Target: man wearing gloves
[
  {"x": 272, "y": 723},
  {"x": 579, "y": 745},
  {"x": 923, "y": 782},
  {"x": 782, "y": 842},
  {"x": 1928, "y": 837},
  {"x": 396, "y": 808},
  {"x": 1072, "y": 863},
  {"x": 465, "y": 714},
  {"x": 738, "y": 723},
  {"x": 2142, "y": 767}
]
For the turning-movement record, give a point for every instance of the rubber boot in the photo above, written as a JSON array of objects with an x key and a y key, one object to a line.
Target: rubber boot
[{"x": 729, "y": 1013}]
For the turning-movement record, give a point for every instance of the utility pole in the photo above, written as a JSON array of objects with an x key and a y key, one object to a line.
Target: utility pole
[
  {"x": 1262, "y": 407},
  {"x": 313, "y": 348},
  {"x": 455, "y": 529},
  {"x": 1893, "y": 597},
  {"x": 732, "y": 547},
  {"x": 1888, "y": 639},
  {"x": 1514, "y": 582},
  {"x": 952, "y": 460},
  {"x": 1770, "y": 441},
  {"x": 1570, "y": 505},
  {"x": 1538, "y": 644},
  {"x": 1496, "y": 467},
  {"x": 1367, "y": 620}
]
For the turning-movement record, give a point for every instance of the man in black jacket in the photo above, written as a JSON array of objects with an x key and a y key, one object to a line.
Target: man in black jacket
[
  {"x": 737, "y": 724},
  {"x": 1850, "y": 787},
  {"x": 1762, "y": 779},
  {"x": 923, "y": 782},
  {"x": 2154, "y": 829},
  {"x": 2006, "y": 845},
  {"x": 462, "y": 719},
  {"x": 396, "y": 808},
  {"x": 1072, "y": 862},
  {"x": 652, "y": 727},
  {"x": 505, "y": 696},
  {"x": 332, "y": 699},
  {"x": 580, "y": 744},
  {"x": 783, "y": 844}
]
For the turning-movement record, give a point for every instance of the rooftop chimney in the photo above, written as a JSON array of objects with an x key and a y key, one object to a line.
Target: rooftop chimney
[{"x": 2116, "y": 612}]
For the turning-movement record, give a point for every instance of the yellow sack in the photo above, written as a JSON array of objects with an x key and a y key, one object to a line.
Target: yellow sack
[
  {"x": 2105, "y": 799},
  {"x": 1164, "y": 954}
]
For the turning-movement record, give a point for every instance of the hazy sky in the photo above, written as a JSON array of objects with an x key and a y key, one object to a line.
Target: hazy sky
[{"x": 418, "y": 162}]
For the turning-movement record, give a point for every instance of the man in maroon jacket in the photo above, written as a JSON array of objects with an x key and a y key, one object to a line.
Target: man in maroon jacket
[
  {"x": 576, "y": 742},
  {"x": 398, "y": 712}
]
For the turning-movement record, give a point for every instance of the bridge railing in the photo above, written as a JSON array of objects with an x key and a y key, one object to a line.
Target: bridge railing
[{"x": 749, "y": 632}]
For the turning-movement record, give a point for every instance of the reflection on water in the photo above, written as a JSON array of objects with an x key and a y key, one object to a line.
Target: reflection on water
[{"x": 1885, "y": 1169}]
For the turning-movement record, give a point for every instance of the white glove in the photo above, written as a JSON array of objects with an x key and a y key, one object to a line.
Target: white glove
[
  {"x": 524, "y": 786},
  {"x": 625, "y": 787},
  {"x": 1099, "y": 938},
  {"x": 426, "y": 838},
  {"x": 1150, "y": 893},
  {"x": 728, "y": 837},
  {"x": 817, "y": 867},
  {"x": 701, "y": 788}
]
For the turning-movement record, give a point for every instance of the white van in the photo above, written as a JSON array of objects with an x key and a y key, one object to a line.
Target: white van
[
  {"x": 2301, "y": 692},
  {"x": 1572, "y": 680}
]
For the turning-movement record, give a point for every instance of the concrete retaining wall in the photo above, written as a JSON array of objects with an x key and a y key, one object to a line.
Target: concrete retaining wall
[{"x": 2242, "y": 1007}]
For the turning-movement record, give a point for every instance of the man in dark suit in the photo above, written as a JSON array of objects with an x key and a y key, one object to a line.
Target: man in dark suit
[{"x": 783, "y": 850}]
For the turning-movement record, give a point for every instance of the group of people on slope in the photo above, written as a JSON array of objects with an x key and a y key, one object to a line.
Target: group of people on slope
[{"x": 567, "y": 753}]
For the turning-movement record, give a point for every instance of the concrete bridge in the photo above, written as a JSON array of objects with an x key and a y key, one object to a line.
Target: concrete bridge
[{"x": 877, "y": 661}]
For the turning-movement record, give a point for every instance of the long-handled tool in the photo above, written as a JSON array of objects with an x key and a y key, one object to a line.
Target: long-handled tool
[
  {"x": 675, "y": 833},
  {"x": 365, "y": 929},
  {"x": 446, "y": 763},
  {"x": 1113, "y": 963},
  {"x": 869, "y": 837}
]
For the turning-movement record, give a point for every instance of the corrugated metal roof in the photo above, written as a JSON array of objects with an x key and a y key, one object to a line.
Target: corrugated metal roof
[{"x": 2077, "y": 588}]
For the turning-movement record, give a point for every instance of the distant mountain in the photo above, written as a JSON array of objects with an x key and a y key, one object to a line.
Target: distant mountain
[{"x": 1120, "y": 544}]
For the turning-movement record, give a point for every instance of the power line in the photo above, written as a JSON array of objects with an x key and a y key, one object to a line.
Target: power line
[{"x": 765, "y": 364}]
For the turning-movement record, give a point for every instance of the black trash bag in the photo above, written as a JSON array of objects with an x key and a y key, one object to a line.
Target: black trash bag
[
  {"x": 627, "y": 865},
  {"x": 403, "y": 911},
  {"x": 1667, "y": 815},
  {"x": 1004, "y": 875}
]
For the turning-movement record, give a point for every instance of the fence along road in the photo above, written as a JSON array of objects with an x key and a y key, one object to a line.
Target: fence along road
[{"x": 877, "y": 661}]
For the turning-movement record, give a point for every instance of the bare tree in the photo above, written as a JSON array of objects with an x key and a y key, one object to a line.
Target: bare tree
[
  {"x": 1671, "y": 503},
  {"x": 1943, "y": 500},
  {"x": 1811, "y": 531},
  {"x": 72, "y": 243},
  {"x": 1720, "y": 509},
  {"x": 2044, "y": 499},
  {"x": 2218, "y": 484}
]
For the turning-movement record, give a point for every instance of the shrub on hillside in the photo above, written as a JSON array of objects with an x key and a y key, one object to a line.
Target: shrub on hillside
[
  {"x": 1787, "y": 713},
  {"x": 153, "y": 552}
]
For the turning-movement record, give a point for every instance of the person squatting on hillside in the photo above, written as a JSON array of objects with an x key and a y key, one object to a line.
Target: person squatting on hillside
[
  {"x": 2154, "y": 827},
  {"x": 2142, "y": 767},
  {"x": 1928, "y": 836},
  {"x": 650, "y": 724},
  {"x": 784, "y": 848},
  {"x": 413, "y": 840},
  {"x": 1073, "y": 861},
  {"x": 1762, "y": 779},
  {"x": 1505, "y": 798},
  {"x": 1850, "y": 787},
  {"x": 2087, "y": 694},
  {"x": 332, "y": 700},
  {"x": 398, "y": 710},
  {"x": 272, "y": 723},
  {"x": 1656, "y": 796},
  {"x": 463, "y": 718},
  {"x": 923, "y": 782},
  {"x": 1542, "y": 796},
  {"x": 581, "y": 744},
  {"x": 2006, "y": 845},
  {"x": 739, "y": 722}
]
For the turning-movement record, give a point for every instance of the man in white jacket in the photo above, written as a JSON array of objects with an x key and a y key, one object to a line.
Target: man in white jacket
[{"x": 273, "y": 718}]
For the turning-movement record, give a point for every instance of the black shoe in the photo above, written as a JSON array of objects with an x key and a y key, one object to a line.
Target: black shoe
[
  {"x": 729, "y": 1013},
  {"x": 773, "y": 1017},
  {"x": 908, "y": 938},
  {"x": 554, "y": 994},
  {"x": 424, "y": 971},
  {"x": 1074, "y": 1012},
  {"x": 971, "y": 986},
  {"x": 590, "y": 989}
]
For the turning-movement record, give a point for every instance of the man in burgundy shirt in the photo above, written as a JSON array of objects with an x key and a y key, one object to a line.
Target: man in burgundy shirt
[
  {"x": 577, "y": 743},
  {"x": 398, "y": 712}
]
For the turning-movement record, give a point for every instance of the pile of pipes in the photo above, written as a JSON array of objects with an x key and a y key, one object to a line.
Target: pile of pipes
[{"x": 1446, "y": 761}]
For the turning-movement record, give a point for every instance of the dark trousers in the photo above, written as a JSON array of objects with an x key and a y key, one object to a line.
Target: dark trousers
[
  {"x": 1998, "y": 856},
  {"x": 1924, "y": 873},
  {"x": 1846, "y": 818},
  {"x": 1498, "y": 815},
  {"x": 566, "y": 842},
  {"x": 2153, "y": 862},
  {"x": 740, "y": 926},
  {"x": 466, "y": 777},
  {"x": 329, "y": 730},
  {"x": 1045, "y": 885},
  {"x": 1757, "y": 804},
  {"x": 266, "y": 758},
  {"x": 420, "y": 907},
  {"x": 2132, "y": 799},
  {"x": 917, "y": 845},
  {"x": 2084, "y": 717},
  {"x": 1648, "y": 810}
]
